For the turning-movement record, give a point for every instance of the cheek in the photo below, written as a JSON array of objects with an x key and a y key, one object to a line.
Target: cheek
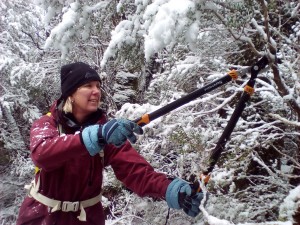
[{"x": 82, "y": 97}]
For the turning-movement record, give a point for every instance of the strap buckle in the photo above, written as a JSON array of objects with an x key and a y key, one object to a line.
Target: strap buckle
[{"x": 70, "y": 206}]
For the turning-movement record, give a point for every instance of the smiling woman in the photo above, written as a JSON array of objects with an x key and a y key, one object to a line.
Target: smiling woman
[
  {"x": 85, "y": 100},
  {"x": 73, "y": 143},
  {"x": 86, "y": 95}
]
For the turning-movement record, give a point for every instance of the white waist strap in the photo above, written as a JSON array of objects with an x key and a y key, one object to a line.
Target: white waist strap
[{"x": 64, "y": 206}]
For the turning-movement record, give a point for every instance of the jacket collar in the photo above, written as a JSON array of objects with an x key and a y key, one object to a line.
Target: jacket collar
[{"x": 68, "y": 121}]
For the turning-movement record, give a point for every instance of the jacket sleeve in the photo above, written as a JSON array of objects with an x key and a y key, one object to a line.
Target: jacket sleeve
[
  {"x": 135, "y": 172},
  {"x": 49, "y": 149}
]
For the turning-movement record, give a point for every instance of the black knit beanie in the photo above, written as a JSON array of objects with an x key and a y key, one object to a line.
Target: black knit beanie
[{"x": 74, "y": 75}]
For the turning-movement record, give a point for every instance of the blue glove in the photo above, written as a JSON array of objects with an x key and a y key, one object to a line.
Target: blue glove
[
  {"x": 117, "y": 131},
  {"x": 90, "y": 139},
  {"x": 178, "y": 196}
]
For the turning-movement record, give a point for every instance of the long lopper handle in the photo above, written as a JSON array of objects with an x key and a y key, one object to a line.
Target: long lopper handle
[{"x": 147, "y": 118}]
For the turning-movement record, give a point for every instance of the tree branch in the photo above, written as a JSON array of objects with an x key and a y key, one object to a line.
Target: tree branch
[
  {"x": 237, "y": 37},
  {"x": 282, "y": 88},
  {"x": 34, "y": 42}
]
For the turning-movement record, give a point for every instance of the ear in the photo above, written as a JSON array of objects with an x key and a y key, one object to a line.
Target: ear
[{"x": 71, "y": 99}]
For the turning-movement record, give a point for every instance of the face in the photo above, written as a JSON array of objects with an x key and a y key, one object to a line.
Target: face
[{"x": 86, "y": 99}]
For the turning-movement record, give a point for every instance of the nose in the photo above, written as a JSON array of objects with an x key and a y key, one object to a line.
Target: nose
[{"x": 96, "y": 90}]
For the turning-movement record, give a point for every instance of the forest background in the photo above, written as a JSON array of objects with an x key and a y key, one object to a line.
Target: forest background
[{"x": 150, "y": 53}]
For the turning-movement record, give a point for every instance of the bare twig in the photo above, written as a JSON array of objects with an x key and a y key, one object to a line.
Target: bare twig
[{"x": 34, "y": 42}]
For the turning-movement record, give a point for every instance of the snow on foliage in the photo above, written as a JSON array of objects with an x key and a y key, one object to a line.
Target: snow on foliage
[
  {"x": 186, "y": 45},
  {"x": 290, "y": 204}
]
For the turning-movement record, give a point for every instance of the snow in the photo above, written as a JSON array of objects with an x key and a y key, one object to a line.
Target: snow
[
  {"x": 119, "y": 36},
  {"x": 189, "y": 132},
  {"x": 167, "y": 24},
  {"x": 293, "y": 123},
  {"x": 290, "y": 204}
]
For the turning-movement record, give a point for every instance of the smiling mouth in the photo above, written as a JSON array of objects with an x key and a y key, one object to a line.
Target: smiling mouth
[{"x": 93, "y": 100}]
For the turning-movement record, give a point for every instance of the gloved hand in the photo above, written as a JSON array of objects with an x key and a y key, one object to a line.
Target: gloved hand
[
  {"x": 178, "y": 196},
  {"x": 117, "y": 131},
  {"x": 90, "y": 139}
]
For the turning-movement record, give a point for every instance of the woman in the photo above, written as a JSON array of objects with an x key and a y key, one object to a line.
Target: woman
[{"x": 73, "y": 143}]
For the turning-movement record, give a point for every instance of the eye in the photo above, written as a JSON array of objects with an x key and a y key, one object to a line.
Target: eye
[{"x": 88, "y": 85}]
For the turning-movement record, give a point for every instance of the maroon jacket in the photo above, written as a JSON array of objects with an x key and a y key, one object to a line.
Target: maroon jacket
[{"x": 69, "y": 173}]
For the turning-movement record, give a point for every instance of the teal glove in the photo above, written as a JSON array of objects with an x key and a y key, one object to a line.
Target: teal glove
[
  {"x": 117, "y": 131},
  {"x": 90, "y": 139},
  {"x": 179, "y": 196},
  {"x": 114, "y": 132}
]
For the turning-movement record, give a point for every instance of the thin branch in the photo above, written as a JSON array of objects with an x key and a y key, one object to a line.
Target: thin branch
[
  {"x": 238, "y": 37},
  {"x": 34, "y": 42},
  {"x": 285, "y": 121},
  {"x": 282, "y": 88}
]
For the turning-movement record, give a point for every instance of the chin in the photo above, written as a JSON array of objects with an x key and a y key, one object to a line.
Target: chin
[{"x": 93, "y": 109}]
